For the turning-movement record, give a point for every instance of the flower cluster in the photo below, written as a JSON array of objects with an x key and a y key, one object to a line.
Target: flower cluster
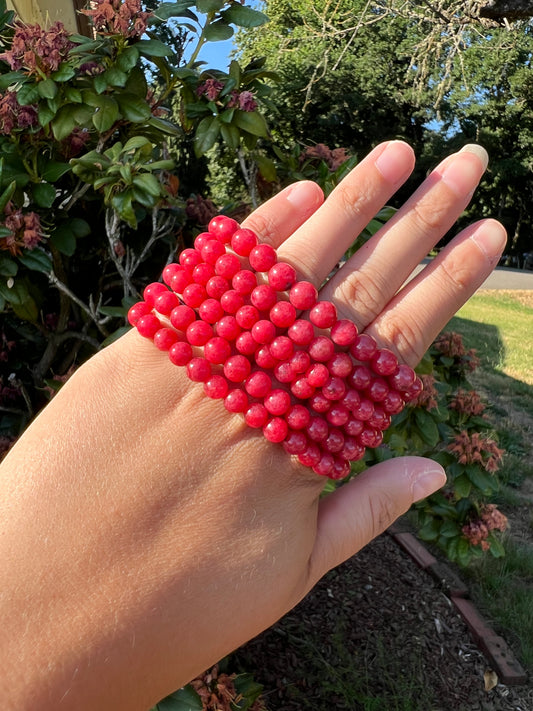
[
  {"x": 333, "y": 158},
  {"x": 212, "y": 88},
  {"x": 38, "y": 51},
  {"x": 25, "y": 230},
  {"x": 428, "y": 397},
  {"x": 477, "y": 531},
  {"x": 13, "y": 116},
  {"x": 450, "y": 344},
  {"x": 467, "y": 402},
  {"x": 217, "y": 691},
  {"x": 475, "y": 448},
  {"x": 200, "y": 210},
  {"x": 115, "y": 17}
]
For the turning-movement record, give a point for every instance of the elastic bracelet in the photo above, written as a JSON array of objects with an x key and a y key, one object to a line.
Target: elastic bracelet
[{"x": 232, "y": 315}]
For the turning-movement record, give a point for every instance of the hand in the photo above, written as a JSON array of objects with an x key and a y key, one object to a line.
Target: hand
[{"x": 145, "y": 532}]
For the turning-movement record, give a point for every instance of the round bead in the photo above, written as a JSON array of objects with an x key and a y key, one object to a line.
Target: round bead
[
  {"x": 201, "y": 239},
  {"x": 194, "y": 294},
  {"x": 148, "y": 325},
  {"x": 164, "y": 338},
  {"x": 210, "y": 310},
  {"x": 283, "y": 314},
  {"x": 237, "y": 368},
  {"x": 282, "y": 348},
  {"x": 364, "y": 347},
  {"x": 247, "y": 316},
  {"x": 364, "y": 410},
  {"x": 317, "y": 429},
  {"x": 298, "y": 417},
  {"x": 325, "y": 464},
  {"x": 243, "y": 241},
  {"x": 302, "y": 388},
  {"x": 198, "y": 333},
  {"x": 295, "y": 443},
  {"x": 141, "y": 308},
  {"x": 393, "y": 404},
  {"x": 360, "y": 377},
  {"x": 231, "y": 301},
  {"x": 370, "y": 437},
  {"x": 244, "y": 281},
  {"x": 281, "y": 276},
  {"x": 334, "y": 442},
  {"x": 262, "y": 257},
  {"x": 236, "y": 401},
  {"x": 351, "y": 399},
  {"x": 171, "y": 270},
  {"x": 343, "y": 333},
  {"x": 256, "y": 415},
  {"x": 263, "y": 331},
  {"x": 403, "y": 378},
  {"x": 338, "y": 415},
  {"x": 212, "y": 250},
  {"x": 227, "y": 266},
  {"x": 180, "y": 353},
  {"x": 227, "y": 327},
  {"x": 152, "y": 291},
  {"x": 380, "y": 420},
  {"x": 321, "y": 349},
  {"x": 165, "y": 302},
  {"x": 323, "y": 314},
  {"x": 198, "y": 370},
  {"x": 216, "y": 387},
  {"x": 216, "y": 287},
  {"x": 318, "y": 375},
  {"x": 301, "y": 332},
  {"x": 303, "y": 295},
  {"x": 263, "y": 297},
  {"x": 384, "y": 362},
  {"x": 190, "y": 258},
  {"x": 353, "y": 427},
  {"x": 311, "y": 455},
  {"x": 277, "y": 402},
  {"x": 334, "y": 389},
  {"x": 340, "y": 364},
  {"x": 180, "y": 279},
  {"x": 413, "y": 391},
  {"x": 276, "y": 429},
  {"x": 182, "y": 316},
  {"x": 258, "y": 384},
  {"x": 202, "y": 273},
  {"x": 283, "y": 372},
  {"x": 264, "y": 358},
  {"x": 245, "y": 343},
  {"x": 300, "y": 361},
  {"x": 352, "y": 449},
  {"x": 378, "y": 390},
  {"x": 340, "y": 469},
  {"x": 217, "y": 350},
  {"x": 223, "y": 228},
  {"x": 319, "y": 403}
]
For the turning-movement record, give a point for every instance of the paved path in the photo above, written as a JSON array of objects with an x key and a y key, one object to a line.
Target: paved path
[{"x": 502, "y": 278}]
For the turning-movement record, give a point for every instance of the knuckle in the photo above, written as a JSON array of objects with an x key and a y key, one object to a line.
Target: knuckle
[
  {"x": 429, "y": 215},
  {"x": 404, "y": 337},
  {"x": 383, "y": 511},
  {"x": 265, "y": 227},
  {"x": 362, "y": 297},
  {"x": 455, "y": 273}
]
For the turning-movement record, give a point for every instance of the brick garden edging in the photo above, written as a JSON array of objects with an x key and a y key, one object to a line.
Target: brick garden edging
[{"x": 494, "y": 647}]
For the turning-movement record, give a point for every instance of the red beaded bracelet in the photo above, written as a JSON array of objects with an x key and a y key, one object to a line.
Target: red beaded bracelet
[{"x": 313, "y": 384}]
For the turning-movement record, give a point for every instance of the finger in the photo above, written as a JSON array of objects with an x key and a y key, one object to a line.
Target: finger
[
  {"x": 322, "y": 240},
  {"x": 283, "y": 214},
  {"x": 375, "y": 272},
  {"x": 363, "y": 508},
  {"x": 425, "y": 305}
]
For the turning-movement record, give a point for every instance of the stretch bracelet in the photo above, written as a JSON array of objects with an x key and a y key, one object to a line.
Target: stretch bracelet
[{"x": 232, "y": 315}]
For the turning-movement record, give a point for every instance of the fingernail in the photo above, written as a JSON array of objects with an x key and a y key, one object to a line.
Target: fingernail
[
  {"x": 478, "y": 151},
  {"x": 462, "y": 174},
  {"x": 427, "y": 481},
  {"x": 304, "y": 195},
  {"x": 395, "y": 162},
  {"x": 490, "y": 237}
]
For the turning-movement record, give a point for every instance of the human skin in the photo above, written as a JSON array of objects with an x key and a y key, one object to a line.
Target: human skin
[{"x": 145, "y": 532}]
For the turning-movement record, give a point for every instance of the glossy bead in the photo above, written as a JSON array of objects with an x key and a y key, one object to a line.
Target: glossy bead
[
  {"x": 190, "y": 258},
  {"x": 264, "y": 358},
  {"x": 258, "y": 384},
  {"x": 318, "y": 375},
  {"x": 148, "y": 325},
  {"x": 227, "y": 266},
  {"x": 325, "y": 464},
  {"x": 262, "y": 257},
  {"x": 317, "y": 429},
  {"x": 180, "y": 279},
  {"x": 182, "y": 316},
  {"x": 364, "y": 347},
  {"x": 340, "y": 469},
  {"x": 263, "y": 331},
  {"x": 301, "y": 332},
  {"x": 353, "y": 427},
  {"x": 334, "y": 388},
  {"x": 243, "y": 241},
  {"x": 311, "y": 455},
  {"x": 227, "y": 327},
  {"x": 202, "y": 273},
  {"x": 413, "y": 391},
  {"x": 276, "y": 429},
  {"x": 263, "y": 297},
  {"x": 334, "y": 442},
  {"x": 216, "y": 287},
  {"x": 231, "y": 301},
  {"x": 256, "y": 415},
  {"x": 194, "y": 294},
  {"x": 236, "y": 401},
  {"x": 180, "y": 353},
  {"x": 352, "y": 450},
  {"x": 384, "y": 362},
  {"x": 283, "y": 372},
  {"x": 245, "y": 343},
  {"x": 212, "y": 250},
  {"x": 303, "y": 295},
  {"x": 298, "y": 417},
  {"x": 170, "y": 271},
  {"x": 300, "y": 361},
  {"x": 198, "y": 333},
  {"x": 198, "y": 370},
  {"x": 281, "y": 276},
  {"x": 217, "y": 350},
  {"x": 364, "y": 410},
  {"x": 338, "y": 415},
  {"x": 165, "y": 302},
  {"x": 283, "y": 314},
  {"x": 295, "y": 443},
  {"x": 277, "y": 402},
  {"x": 378, "y": 390},
  {"x": 223, "y": 228},
  {"x": 247, "y": 316},
  {"x": 152, "y": 291},
  {"x": 403, "y": 378},
  {"x": 201, "y": 239},
  {"x": 351, "y": 399},
  {"x": 141, "y": 308},
  {"x": 237, "y": 368},
  {"x": 343, "y": 333},
  {"x": 164, "y": 338},
  {"x": 323, "y": 314},
  {"x": 380, "y": 420},
  {"x": 216, "y": 387},
  {"x": 282, "y": 348},
  {"x": 210, "y": 310},
  {"x": 340, "y": 364},
  {"x": 321, "y": 349},
  {"x": 302, "y": 388},
  {"x": 370, "y": 437},
  {"x": 244, "y": 281},
  {"x": 360, "y": 377},
  {"x": 319, "y": 403},
  {"x": 393, "y": 404}
]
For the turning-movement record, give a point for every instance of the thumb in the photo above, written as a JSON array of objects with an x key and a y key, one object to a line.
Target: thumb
[{"x": 363, "y": 508}]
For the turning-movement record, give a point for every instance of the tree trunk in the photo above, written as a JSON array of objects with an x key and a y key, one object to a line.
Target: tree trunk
[{"x": 510, "y": 9}]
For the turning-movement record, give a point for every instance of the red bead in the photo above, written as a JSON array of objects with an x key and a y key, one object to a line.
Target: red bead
[
  {"x": 243, "y": 241},
  {"x": 378, "y": 390},
  {"x": 323, "y": 314},
  {"x": 201, "y": 239},
  {"x": 338, "y": 415},
  {"x": 284, "y": 373},
  {"x": 236, "y": 401},
  {"x": 298, "y": 417},
  {"x": 210, "y": 310},
  {"x": 164, "y": 338},
  {"x": 413, "y": 391},
  {"x": 227, "y": 327},
  {"x": 352, "y": 450},
  {"x": 340, "y": 364},
  {"x": 182, "y": 316},
  {"x": 321, "y": 349},
  {"x": 165, "y": 302},
  {"x": 334, "y": 389},
  {"x": 180, "y": 279},
  {"x": 264, "y": 358},
  {"x": 237, "y": 368},
  {"x": 295, "y": 443},
  {"x": 311, "y": 455},
  {"x": 364, "y": 347},
  {"x": 281, "y": 276},
  {"x": 276, "y": 430},
  {"x": 277, "y": 402},
  {"x": 247, "y": 316},
  {"x": 231, "y": 301},
  {"x": 393, "y": 404},
  {"x": 263, "y": 297},
  {"x": 282, "y": 348},
  {"x": 216, "y": 387},
  {"x": 141, "y": 308},
  {"x": 171, "y": 270},
  {"x": 148, "y": 325},
  {"x": 302, "y": 388},
  {"x": 152, "y": 291},
  {"x": 301, "y": 332},
  {"x": 325, "y": 464},
  {"x": 360, "y": 377},
  {"x": 202, "y": 273},
  {"x": 190, "y": 258},
  {"x": 258, "y": 384},
  {"x": 194, "y": 294},
  {"x": 317, "y": 429},
  {"x": 341, "y": 468},
  {"x": 212, "y": 250},
  {"x": 351, "y": 399},
  {"x": 303, "y": 295},
  {"x": 245, "y": 343},
  {"x": 262, "y": 257},
  {"x": 403, "y": 378},
  {"x": 283, "y": 314},
  {"x": 354, "y": 427},
  {"x": 364, "y": 410},
  {"x": 217, "y": 350},
  {"x": 380, "y": 420},
  {"x": 227, "y": 266},
  {"x": 343, "y": 333},
  {"x": 263, "y": 331},
  {"x": 334, "y": 442},
  {"x": 198, "y": 370},
  {"x": 244, "y": 281},
  {"x": 180, "y": 353},
  {"x": 300, "y": 361},
  {"x": 318, "y": 375},
  {"x": 319, "y": 403},
  {"x": 370, "y": 437},
  {"x": 223, "y": 228},
  {"x": 216, "y": 287},
  {"x": 198, "y": 333},
  {"x": 384, "y": 362},
  {"x": 256, "y": 415}
]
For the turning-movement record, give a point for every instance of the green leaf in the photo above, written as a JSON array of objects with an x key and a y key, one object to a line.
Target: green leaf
[
  {"x": 149, "y": 183},
  {"x": 133, "y": 108},
  {"x": 14, "y": 292},
  {"x": 185, "y": 699},
  {"x": 47, "y": 88},
  {"x": 64, "y": 122},
  {"x": 267, "y": 168},
  {"x": 427, "y": 427},
  {"x": 73, "y": 95},
  {"x": 100, "y": 83},
  {"x": 8, "y": 267},
  {"x": 136, "y": 83},
  {"x": 37, "y": 260},
  {"x": 115, "y": 336},
  {"x": 28, "y": 310},
  {"x": 6, "y": 196},
  {"x": 53, "y": 170},
  {"x": 106, "y": 113},
  {"x": 206, "y": 135},
  {"x": 114, "y": 311},
  {"x": 44, "y": 194},
  {"x": 28, "y": 94},
  {"x": 235, "y": 72},
  {"x": 64, "y": 240},
  {"x": 122, "y": 203},
  {"x": 244, "y": 16},
  {"x": 115, "y": 77},
  {"x": 463, "y": 552},
  {"x": 496, "y": 546},
  {"x": 218, "y": 31},
  {"x": 166, "y": 10},
  {"x": 136, "y": 142},
  {"x": 128, "y": 58},
  {"x": 251, "y": 122},
  {"x": 64, "y": 73},
  {"x": 230, "y": 135},
  {"x": 481, "y": 480},
  {"x": 11, "y": 78},
  {"x": 208, "y": 6},
  {"x": 45, "y": 114},
  {"x": 462, "y": 486},
  {"x": 80, "y": 228},
  {"x": 164, "y": 126},
  {"x": 153, "y": 48}
]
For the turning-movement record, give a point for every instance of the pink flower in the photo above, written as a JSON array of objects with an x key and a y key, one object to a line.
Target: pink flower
[
  {"x": 428, "y": 396},
  {"x": 211, "y": 88},
  {"x": 247, "y": 101},
  {"x": 476, "y": 449},
  {"x": 38, "y": 51},
  {"x": 26, "y": 231},
  {"x": 114, "y": 17},
  {"x": 467, "y": 402},
  {"x": 333, "y": 158},
  {"x": 476, "y": 531}
]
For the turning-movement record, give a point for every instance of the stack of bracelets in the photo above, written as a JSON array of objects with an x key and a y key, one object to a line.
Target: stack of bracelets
[{"x": 316, "y": 385}]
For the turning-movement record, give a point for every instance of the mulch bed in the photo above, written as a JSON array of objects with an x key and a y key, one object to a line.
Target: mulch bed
[{"x": 376, "y": 634}]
